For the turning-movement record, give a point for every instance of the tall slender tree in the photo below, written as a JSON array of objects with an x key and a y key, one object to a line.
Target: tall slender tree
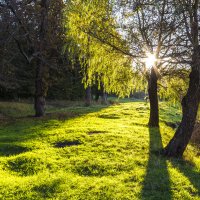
[
  {"x": 41, "y": 85},
  {"x": 150, "y": 29}
]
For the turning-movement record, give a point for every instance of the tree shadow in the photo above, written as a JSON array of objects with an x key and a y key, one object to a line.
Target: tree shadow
[
  {"x": 156, "y": 183},
  {"x": 11, "y": 149},
  {"x": 65, "y": 113},
  {"x": 189, "y": 171},
  {"x": 24, "y": 129},
  {"x": 47, "y": 190}
]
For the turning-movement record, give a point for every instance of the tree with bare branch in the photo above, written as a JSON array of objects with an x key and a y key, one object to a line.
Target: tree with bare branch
[{"x": 189, "y": 11}]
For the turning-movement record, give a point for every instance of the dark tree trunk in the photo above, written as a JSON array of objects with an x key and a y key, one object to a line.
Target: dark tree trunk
[
  {"x": 97, "y": 94},
  {"x": 39, "y": 106},
  {"x": 153, "y": 99},
  {"x": 104, "y": 98},
  {"x": 41, "y": 88},
  {"x": 103, "y": 95},
  {"x": 88, "y": 96},
  {"x": 41, "y": 85},
  {"x": 190, "y": 104}
]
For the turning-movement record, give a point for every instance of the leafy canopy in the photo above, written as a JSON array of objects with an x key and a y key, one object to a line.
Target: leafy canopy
[{"x": 96, "y": 42}]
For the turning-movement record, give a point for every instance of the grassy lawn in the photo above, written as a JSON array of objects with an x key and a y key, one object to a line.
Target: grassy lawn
[{"x": 101, "y": 152}]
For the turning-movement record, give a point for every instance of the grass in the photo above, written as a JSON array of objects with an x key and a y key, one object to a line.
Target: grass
[
  {"x": 96, "y": 152},
  {"x": 24, "y": 109}
]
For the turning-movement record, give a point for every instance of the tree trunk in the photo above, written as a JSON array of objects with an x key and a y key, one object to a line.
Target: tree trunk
[
  {"x": 153, "y": 99},
  {"x": 39, "y": 106},
  {"x": 41, "y": 85},
  {"x": 41, "y": 88},
  {"x": 190, "y": 104},
  {"x": 97, "y": 94},
  {"x": 103, "y": 95},
  {"x": 88, "y": 96},
  {"x": 104, "y": 98}
]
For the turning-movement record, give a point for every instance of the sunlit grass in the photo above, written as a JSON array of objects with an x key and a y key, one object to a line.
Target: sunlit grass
[{"x": 95, "y": 153}]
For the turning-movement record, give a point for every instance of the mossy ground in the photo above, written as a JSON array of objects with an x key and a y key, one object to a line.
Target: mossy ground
[{"x": 98, "y": 152}]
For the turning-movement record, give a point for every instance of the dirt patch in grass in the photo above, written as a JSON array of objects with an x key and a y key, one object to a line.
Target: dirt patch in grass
[
  {"x": 107, "y": 116},
  {"x": 62, "y": 144},
  {"x": 96, "y": 132},
  {"x": 142, "y": 108}
]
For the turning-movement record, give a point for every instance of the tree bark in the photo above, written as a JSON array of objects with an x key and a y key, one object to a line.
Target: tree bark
[
  {"x": 41, "y": 85},
  {"x": 104, "y": 98},
  {"x": 97, "y": 94},
  {"x": 39, "y": 106},
  {"x": 103, "y": 95},
  {"x": 153, "y": 99},
  {"x": 88, "y": 96},
  {"x": 190, "y": 104}
]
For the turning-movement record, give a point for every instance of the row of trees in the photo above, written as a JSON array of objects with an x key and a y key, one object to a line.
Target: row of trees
[
  {"x": 42, "y": 52},
  {"x": 104, "y": 44},
  {"x": 32, "y": 40},
  {"x": 170, "y": 31}
]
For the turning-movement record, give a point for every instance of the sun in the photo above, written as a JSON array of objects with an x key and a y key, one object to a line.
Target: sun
[{"x": 150, "y": 60}]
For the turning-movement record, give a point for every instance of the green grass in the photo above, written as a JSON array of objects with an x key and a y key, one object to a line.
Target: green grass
[
  {"x": 96, "y": 152},
  {"x": 23, "y": 109},
  {"x": 15, "y": 109}
]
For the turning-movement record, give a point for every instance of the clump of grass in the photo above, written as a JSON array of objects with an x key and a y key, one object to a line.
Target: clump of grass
[
  {"x": 16, "y": 109},
  {"x": 26, "y": 165}
]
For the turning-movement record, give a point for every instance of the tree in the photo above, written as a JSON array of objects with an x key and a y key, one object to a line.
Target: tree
[
  {"x": 14, "y": 71},
  {"x": 35, "y": 28},
  {"x": 149, "y": 27},
  {"x": 41, "y": 85},
  {"x": 100, "y": 53},
  {"x": 189, "y": 12}
]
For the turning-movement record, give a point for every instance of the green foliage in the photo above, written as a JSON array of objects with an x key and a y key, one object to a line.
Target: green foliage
[
  {"x": 17, "y": 76},
  {"x": 115, "y": 156},
  {"x": 173, "y": 88},
  {"x": 93, "y": 33}
]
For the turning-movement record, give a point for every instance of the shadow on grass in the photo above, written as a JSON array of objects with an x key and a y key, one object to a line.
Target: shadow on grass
[
  {"x": 67, "y": 113},
  {"x": 11, "y": 149},
  {"x": 188, "y": 170},
  {"x": 156, "y": 183},
  {"x": 24, "y": 129},
  {"x": 48, "y": 190},
  {"x": 111, "y": 116}
]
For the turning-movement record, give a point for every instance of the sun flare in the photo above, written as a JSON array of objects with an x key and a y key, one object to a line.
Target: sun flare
[{"x": 150, "y": 60}]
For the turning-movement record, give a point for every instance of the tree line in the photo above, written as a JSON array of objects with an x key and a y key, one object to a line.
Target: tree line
[{"x": 65, "y": 49}]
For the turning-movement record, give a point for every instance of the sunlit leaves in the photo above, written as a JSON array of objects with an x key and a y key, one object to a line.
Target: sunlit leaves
[
  {"x": 173, "y": 88},
  {"x": 92, "y": 29}
]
